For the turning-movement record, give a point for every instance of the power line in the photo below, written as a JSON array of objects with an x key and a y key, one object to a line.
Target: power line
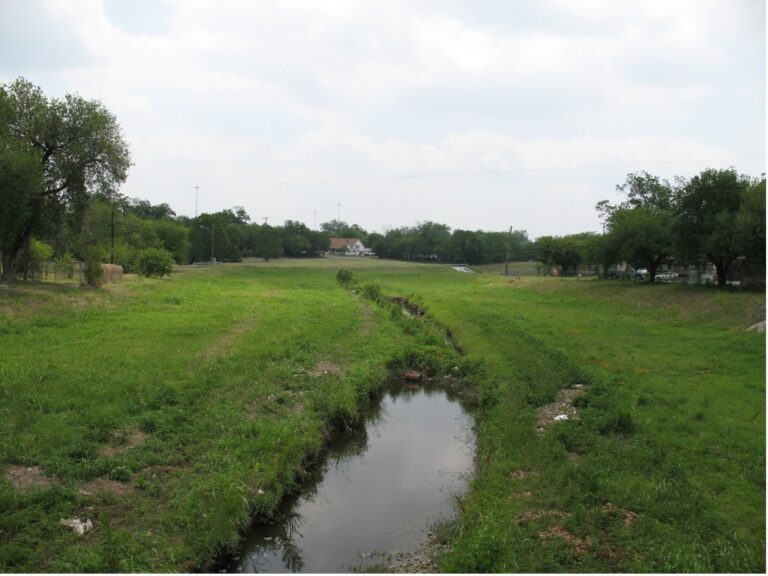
[{"x": 451, "y": 174}]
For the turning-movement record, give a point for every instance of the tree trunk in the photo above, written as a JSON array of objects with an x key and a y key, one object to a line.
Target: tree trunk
[
  {"x": 26, "y": 259},
  {"x": 652, "y": 267},
  {"x": 9, "y": 268},
  {"x": 721, "y": 267}
]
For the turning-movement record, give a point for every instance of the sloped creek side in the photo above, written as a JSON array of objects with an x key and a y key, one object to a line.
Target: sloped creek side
[{"x": 419, "y": 442}]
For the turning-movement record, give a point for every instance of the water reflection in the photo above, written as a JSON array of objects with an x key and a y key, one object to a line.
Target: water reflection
[{"x": 376, "y": 493}]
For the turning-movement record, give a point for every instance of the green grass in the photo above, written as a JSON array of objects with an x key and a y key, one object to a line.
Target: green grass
[
  {"x": 214, "y": 368},
  {"x": 663, "y": 471},
  {"x": 672, "y": 438}
]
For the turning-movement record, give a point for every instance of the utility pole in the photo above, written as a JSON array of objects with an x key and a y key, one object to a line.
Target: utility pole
[
  {"x": 112, "y": 239},
  {"x": 509, "y": 249},
  {"x": 266, "y": 219},
  {"x": 196, "y": 189},
  {"x": 338, "y": 214}
]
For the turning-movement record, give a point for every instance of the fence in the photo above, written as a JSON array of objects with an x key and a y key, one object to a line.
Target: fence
[{"x": 57, "y": 272}]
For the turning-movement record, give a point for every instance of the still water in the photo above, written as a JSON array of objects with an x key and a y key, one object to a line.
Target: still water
[{"x": 377, "y": 492}]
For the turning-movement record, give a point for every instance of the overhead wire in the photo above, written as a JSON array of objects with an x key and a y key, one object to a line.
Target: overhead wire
[{"x": 343, "y": 180}]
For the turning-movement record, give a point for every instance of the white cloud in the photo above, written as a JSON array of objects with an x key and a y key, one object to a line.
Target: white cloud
[{"x": 242, "y": 92}]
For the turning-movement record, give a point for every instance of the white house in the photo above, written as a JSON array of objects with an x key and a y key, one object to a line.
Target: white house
[{"x": 348, "y": 247}]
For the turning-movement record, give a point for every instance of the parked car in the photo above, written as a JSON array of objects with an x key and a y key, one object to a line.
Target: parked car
[
  {"x": 641, "y": 274},
  {"x": 667, "y": 277}
]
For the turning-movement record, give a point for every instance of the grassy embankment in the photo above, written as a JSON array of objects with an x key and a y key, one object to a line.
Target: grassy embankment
[
  {"x": 663, "y": 471},
  {"x": 168, "y": 412}
]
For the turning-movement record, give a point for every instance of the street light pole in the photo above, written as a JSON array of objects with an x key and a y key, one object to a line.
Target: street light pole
[{"x": 509, "y": 248}]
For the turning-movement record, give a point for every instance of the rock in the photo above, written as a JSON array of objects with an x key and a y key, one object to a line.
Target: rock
[
  {"x": 414, "y": 376},
  {"x": 78, "y": 527}
]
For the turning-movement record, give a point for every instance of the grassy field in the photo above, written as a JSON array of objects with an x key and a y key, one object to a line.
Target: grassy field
[{"x": 170, "y": 411}]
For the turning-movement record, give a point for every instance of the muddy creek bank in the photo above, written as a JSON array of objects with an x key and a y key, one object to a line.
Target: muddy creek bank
[{"x": 377, "y": 492}]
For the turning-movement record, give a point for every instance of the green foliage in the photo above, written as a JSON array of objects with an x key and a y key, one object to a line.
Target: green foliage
[
  {"x": 561, "y": 252},
  {"x": 706, "y": 219},
  {"x": 372, "y": 291},
  {"x": 639, "y": 230},
  {"x": 79, "y": 148},
  {"x": 20, "y": 182},
  {"x": 155, "y": 262},
  {"x": 662, "y": 471},
  {"x": 345, "y": 277},
  {"x": 39, "y": 252},
  {"x": 92, "y": 270}
]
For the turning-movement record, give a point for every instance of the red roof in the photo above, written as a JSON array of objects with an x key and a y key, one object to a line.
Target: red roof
[{"x": 342, "y": 243}]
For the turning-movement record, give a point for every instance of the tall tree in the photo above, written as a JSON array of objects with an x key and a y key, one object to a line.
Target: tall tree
[
  {"x": 640, "y": 228},
  {"x": 706, "y": 218},
  {"x": 80, "y": 151},
  {"x": 750, "y": 229}
]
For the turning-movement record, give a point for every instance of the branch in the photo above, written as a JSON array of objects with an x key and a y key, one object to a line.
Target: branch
[{"x": 54, "y": 191}]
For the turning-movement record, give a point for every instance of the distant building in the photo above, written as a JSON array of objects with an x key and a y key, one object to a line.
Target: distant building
[{"x": 348, "y": 247}]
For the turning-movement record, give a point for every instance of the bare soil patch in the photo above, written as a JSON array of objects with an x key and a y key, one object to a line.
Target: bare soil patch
[
  {"x": 533, "y": 515},
  {"x": 580, "y": 545},
  {"x": 324, "y": 367},
  {"x": 365, "y": 328},
  {"x": 105, "y": 485},
  {"x": 25, "y": 478},
  {"x": 561, "y": 409},
  {"x": 518, "y": 474},
  {"x": 627, "y": 515}
]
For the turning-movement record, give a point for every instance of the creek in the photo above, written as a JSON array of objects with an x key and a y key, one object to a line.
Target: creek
[{"x": 375, "y": 495}]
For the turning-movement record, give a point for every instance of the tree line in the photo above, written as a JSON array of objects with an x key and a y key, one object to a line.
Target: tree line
[
  {"x": 717, "y": 217},
  {"x": 62, "y": 162}
]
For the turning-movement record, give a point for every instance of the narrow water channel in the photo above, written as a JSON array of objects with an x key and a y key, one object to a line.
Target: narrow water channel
[{"x": 377, "y": 492}]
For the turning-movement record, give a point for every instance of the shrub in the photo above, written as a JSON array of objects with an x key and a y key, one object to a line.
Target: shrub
[
  {"x": 372, "y": 292},
  {"x": 345, "y": 277},
  {"x": 94, "y": 274},
  {"x": 155, "y": 262}
]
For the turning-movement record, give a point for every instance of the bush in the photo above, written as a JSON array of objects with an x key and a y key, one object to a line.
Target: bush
[
  {"x": 155, "y": 262},
  {"x": 345, "y": 277},
  {"x": 94, "y": 274},
  {"x": 372, "y": 292}
]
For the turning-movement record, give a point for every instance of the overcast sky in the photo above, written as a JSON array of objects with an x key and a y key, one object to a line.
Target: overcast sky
[{"x": 476, "y": 114}]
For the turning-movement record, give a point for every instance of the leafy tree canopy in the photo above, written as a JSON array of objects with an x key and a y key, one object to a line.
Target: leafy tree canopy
[{"x": 79, "y": 149}]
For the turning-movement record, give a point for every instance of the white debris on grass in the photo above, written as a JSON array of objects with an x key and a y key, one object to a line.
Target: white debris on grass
[
  {"x": 561, "y": 417},
  {"x": 462, "y": 269},
  {"x": 78, "y": 527},
  {"x": 759, "y": 327}
]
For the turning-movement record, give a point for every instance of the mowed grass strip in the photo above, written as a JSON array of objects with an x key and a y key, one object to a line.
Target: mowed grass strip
[
  {"x": 169, "y": 412},
  {"x": 664, "y": 469}
]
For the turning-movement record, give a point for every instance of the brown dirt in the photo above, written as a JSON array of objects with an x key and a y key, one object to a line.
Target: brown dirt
[
  {"x": 533, "y": 515},
  {"x": 521, "y": 495},
  {"x": 365, "y": 328},
  {"x": 325, "y": 367},
  {"x": 628, "y": 516},
  {"x": 518, "y": 474},
  {"x": 563, "y": 404},
  {"x": 105, "y": 485},
  {"x": 24, "y": 478},
  {"x": 580, "y": 546},
  {"x": 132, "y": 437}
]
